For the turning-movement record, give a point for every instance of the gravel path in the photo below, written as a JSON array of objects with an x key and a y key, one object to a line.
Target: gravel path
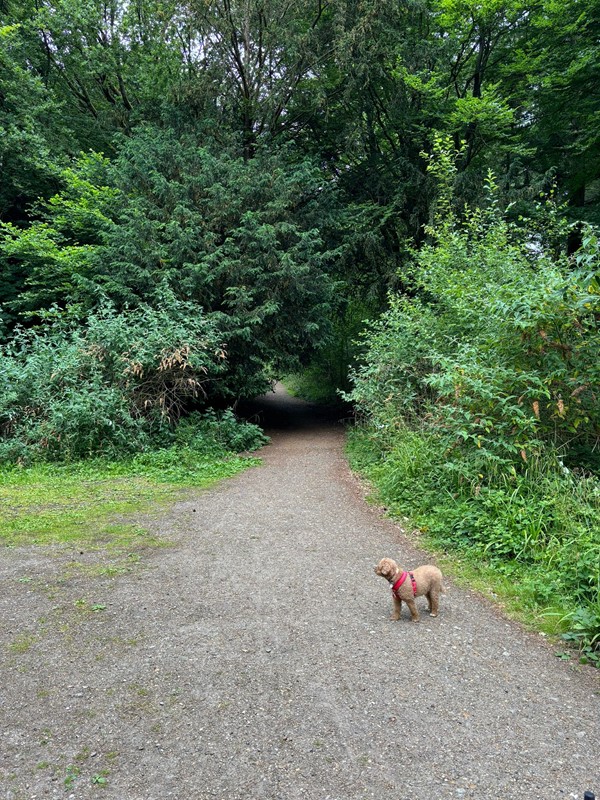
[{"x": 255, "y": 658}]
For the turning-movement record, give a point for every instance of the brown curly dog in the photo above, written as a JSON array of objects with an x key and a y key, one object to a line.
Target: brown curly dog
[{"x": 426, "y": 580}]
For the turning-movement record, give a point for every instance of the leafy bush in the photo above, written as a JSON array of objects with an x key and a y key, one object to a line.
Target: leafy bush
[
  {"x": 243, "y": 239},
  {"x": 58, "y": 255},
  {"x": 497, "y": 351},
  {"x": 219, "y": 431},
  {"x": 112, "y": 386}
]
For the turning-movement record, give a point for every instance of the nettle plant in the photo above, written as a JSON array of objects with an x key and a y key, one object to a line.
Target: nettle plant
[{"x": 523, "y": 372}]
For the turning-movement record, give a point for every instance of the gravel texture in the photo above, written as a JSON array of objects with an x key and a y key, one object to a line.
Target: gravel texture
[{"x": 254, "y": 658}]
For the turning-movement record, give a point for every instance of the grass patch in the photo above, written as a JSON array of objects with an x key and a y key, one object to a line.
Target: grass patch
[
  {"x": 514, "y": 598},
  {"x": 313, "y": 385},
  {"x": 22, "y": 644},
  {"x": 85, "y": 502}
]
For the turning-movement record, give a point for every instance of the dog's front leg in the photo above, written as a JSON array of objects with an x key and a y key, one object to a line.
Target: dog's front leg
[
  {"x": 413, "y": 610},
  {"x": 397, "y": 607}
]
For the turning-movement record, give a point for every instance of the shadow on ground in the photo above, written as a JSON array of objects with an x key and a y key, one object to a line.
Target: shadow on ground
[{"x": 279, "y": 411}]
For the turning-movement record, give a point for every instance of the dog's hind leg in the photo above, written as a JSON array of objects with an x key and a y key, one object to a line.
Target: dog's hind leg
[{"x": 433, "y": 598}]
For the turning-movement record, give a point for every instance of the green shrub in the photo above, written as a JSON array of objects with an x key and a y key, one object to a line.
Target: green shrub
[
  {"x": 498, "y": 354},
  {"x": 220, "y": 431},
  {"x": 113, "y": 386},
  {"x": 243, "y": 240}
]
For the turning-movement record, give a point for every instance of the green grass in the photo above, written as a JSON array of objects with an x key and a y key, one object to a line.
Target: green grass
[
  {"x": 89, "y": 502},
  {"x": 312, "y": 385},
  {"x": 514, "y": 597}
]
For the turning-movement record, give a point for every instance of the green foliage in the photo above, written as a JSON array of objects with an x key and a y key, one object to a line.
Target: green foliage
[
  {"x": 584, "y": 632},
  {"x": 326, "y": 374},
  {"x": 240, "y": 239},
  {"x": 562, "y": 50},
  {"x": 359, "y": 85},
  {"x": 311, "y": 384},
  {"x": 218, "y": 432},
  {"x": 109, "y": 387},
  {"x": 496, "y": 350},
  {"x": 58, "y": 256},
  {"x": 32, "y": 129},
  {"x": 34, "y": 136}
]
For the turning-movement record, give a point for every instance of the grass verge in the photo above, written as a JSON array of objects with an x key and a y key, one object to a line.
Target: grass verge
[{"x": 88, "y": 502}]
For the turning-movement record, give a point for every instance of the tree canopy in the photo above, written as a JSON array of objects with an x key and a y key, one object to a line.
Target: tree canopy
[{"x": 268, "y": 161}]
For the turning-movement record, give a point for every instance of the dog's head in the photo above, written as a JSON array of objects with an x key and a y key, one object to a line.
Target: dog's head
[{"x": 387, "y": 568}]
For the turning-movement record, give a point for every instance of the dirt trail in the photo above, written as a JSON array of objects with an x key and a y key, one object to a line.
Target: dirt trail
[{"x": 255, "y": 659}]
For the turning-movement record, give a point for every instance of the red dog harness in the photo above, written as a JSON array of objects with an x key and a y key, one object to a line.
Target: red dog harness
[{"x": 401, "y": 580}]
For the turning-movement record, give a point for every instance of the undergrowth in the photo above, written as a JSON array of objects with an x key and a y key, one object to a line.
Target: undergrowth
[
  {"x": 322, "y": 380},
  {"x": 312, "y": 384}
]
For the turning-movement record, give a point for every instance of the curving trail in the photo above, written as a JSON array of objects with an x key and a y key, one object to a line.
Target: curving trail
[{"x": 255, "y": 659}]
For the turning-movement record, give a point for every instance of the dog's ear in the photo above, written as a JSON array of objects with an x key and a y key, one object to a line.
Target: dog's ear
[
  {"x": 388, "y": 568},
  {"x": 385, "y": 568}
]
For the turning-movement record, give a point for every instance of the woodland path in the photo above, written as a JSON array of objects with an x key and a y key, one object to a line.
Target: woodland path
[{"x": 255, "y": 658}]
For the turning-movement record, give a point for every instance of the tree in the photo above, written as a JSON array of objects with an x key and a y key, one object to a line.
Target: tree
[
  {"x": 563, "y": 55},
  {"x": 32, "y": 134},
  {"x": 258, "y": 53},
  {"x": 55, "y": 259},
  {"x": 240, "y": 237}
]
